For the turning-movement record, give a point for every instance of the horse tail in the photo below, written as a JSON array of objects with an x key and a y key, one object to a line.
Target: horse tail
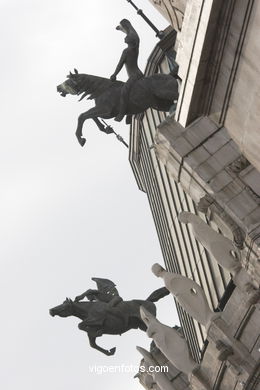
[{"x": 158, "y": 294}]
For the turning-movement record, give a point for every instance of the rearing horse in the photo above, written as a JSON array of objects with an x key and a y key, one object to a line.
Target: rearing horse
[{"x": 158, "y": 91}]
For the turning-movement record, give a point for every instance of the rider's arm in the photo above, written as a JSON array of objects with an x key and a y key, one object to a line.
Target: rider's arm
[
  {"x": 120, "y": 65},
  {"x": 81, "y": 296},
  {"x": 115, "y": 301}
]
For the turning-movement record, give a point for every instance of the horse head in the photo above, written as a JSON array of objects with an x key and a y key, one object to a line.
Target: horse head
[
  {"x": 72, "y": 86},
  {"x": 63, "y": 310}
]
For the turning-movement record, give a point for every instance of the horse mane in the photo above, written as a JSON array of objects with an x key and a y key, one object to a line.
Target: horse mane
[{"x": 95, "y": 86}]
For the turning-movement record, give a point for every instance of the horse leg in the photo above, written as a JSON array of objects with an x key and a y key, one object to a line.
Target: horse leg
[
  {"x": 105, "y": 129},
  {"x": 94, "y": 112},
  {"x": 84, "y": 325},
  {"x": 92, "y": 341},
  {"x": 128, "y": 120}
]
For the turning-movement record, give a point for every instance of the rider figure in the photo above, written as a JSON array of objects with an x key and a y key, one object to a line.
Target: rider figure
[
  {"x": 128, "y": 58},
  {"x": 110, "y": 298},
  {"x": 96, "y": 295},
  {"x": 106, "y": 292}
]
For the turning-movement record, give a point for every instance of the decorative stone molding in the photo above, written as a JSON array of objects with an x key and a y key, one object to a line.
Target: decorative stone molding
[
  {"x": 239, "y": 164},
  {"x": 207, "y": 205},
  {"x": 227, "y": 362},
  {"x": 158, "y": 377},
  {"x": 189, "y": 295},
  {"x": 219, "y": 332},
  {"x": 148, "y": 378},
  {"x": 221, "y": 249},
  {"x": 170, "y": 342},
  {"x": 174, "y": 346},
  {"x": 204, "y": 203},
  {"x": 222, "y": 337}
]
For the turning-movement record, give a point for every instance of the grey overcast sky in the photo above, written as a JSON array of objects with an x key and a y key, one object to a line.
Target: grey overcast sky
[{"x": 67, "y": 213}]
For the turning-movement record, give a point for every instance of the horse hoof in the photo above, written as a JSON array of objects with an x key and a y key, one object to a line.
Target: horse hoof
[
  {"x": 119, "y": 117},
  {"x": 128, "y": 120},
  {"x": 112, "y": 351},
  {"x": 108, "y": 130},
  {"x": 82, "y": 141}
]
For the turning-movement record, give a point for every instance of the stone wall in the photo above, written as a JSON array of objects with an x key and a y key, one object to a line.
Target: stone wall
[
  {"x": 211, "y": 169},
  {"x": 222, "y": 367},
  {"x": 177, "y": 379},
  {"x": 243, "y": 113},
  {"x": 172, "y": 10}
]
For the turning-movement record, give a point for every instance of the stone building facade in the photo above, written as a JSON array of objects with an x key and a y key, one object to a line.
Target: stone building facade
[
  {"x": 204, "y": 149},
  {"x": 181, "y": 252},
  {"x": 172, "y": 10},
  {"x": 205, "y": 159}
]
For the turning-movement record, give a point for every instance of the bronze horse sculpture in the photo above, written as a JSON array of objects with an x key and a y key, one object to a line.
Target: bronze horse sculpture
[
  {"x": 105, "y": 312},
  {"x": 158, "y": 91}
]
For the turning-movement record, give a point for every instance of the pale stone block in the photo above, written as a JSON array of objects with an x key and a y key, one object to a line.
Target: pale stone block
[
  {"x": 224, "y": 132},
  {"x": 230, "y": 191},
  {"x": 235, "y": 146},
  {"x": 201, "y": 182},
  {"x": 185, "y": 180},
  {"x": 194, "y": 48},
  {"x": 221, "y": 180},
  {"x": 251, "y": 140},
  {"x": 251, "y": 334},
  {"x": 181, "y": 147},
  {"x": 199, "y": 130},
  {"x": 209, "y": 169},
  {"x": 218, "y": 140},
  {"x": 252, "y": 179},
  {"x": 173, "y": 167},
  {"x": 196, "y": 191},
  {"x": 170, "y": 129},
  {"x": 162, "y": 152},
  {"x": 196, "y": 157},
  {"x": 233, "y": 122},
  {"x": 186, "y": 38},
  {"x": 226, "y": 155},
  {"x": 183, "y": 105},
  {"x": 242, "y": 205},
  {"x": 252, "y": 220}
]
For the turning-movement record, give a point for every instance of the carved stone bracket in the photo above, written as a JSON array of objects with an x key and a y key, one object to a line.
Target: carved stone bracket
[
  {"x": 207, "y": 204},
  {"x": 239, "y": 164},
  {"x": 159, "y": 377},
  {"x": 221, "y": 249},
  {"x": 172, "y": 344},
  {"x": 230, "y": 348},
  {"x": 192, "y": 298},
  {"x": 188, "y": 293}
]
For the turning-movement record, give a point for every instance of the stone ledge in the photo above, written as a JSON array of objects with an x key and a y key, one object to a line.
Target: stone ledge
[{"x": 195, "y": 40}]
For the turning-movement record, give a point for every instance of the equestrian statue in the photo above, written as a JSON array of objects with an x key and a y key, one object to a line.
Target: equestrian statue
[
  {"x": 105, "y": 312},
  {"x": 115, "y": 99}
]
